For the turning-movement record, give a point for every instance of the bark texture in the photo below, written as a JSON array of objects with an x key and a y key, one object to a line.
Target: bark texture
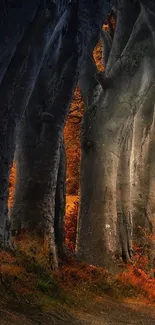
[
  {"x": 39, "y": 145},
  {"x": 15, "y": 90},
  {"x": 124, "y": 89},
  {"x": 41, "y": 168},
  {"x": 60, "y": 203}
]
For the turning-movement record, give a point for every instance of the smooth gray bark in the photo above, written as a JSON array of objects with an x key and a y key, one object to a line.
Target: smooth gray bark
[
  {"x": 107, "y": 125},
  {"x": 125, "y": 223},
  {"x": 142, "y": 180}
]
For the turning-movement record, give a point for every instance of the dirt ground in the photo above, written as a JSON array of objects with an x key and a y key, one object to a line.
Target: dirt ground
[
  {"x": 101, "y": 313},
  {"x": 114, "y": 313}
]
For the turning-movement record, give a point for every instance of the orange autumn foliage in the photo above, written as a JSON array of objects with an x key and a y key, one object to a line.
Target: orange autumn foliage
[
  {"x": 72, "y": 207},
  {"x": 12, "y": 185},
  {"x": 74, "y": 274},
  {"x": 140, "y": 280},
  {"x": 98, "y": 56},
  {"x": 14, "y": 277},
  {"x": 73, "y": 151},
  {"x": 72, "y": 143},
  {"x": 140, "y": 275}
]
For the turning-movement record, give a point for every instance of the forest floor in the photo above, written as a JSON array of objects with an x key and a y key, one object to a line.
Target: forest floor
[
  {"x": 31, "y": 293},
  {"x": 106, "y": 312},
  {"x": 77, "y": 294}
]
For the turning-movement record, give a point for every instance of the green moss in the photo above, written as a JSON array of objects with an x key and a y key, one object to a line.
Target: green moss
[{"x": 48, "y": 287}]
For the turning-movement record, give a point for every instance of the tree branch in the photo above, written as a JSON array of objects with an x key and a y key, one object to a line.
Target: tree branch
[
  {"x": 148, "y": 11},
  {"x": 126, "y": 18}
]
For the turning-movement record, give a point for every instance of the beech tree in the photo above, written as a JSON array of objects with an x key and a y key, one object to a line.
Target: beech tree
[
  {"x": 40, "y": 141},
  {"x": 23, "y": 59},
  {"x": 117, "y": 137},
  {"x": 39, "y": 151}
]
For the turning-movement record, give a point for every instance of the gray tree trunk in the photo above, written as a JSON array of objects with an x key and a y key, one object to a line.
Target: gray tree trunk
[
  {"x": 105, "y": 220},
  {"x": 124, "y": 223},
  {"x": 142, "y": 181}
]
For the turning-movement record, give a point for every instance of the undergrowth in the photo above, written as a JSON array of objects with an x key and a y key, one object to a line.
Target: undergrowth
[
  {"x": 26, "y": 277},
  {"x": 134, "y": 280}
]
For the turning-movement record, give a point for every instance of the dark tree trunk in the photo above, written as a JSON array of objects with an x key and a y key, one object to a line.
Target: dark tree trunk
[
  {"x": 15, "y": 20},
  {"x": 15, "y": 91},
  {"x": 38, "y": 151},
  {"x": 40, "y": 140},
  {"x": 37, "y": 169},
  {"x": 24, "y": 55},
  {"x": 60, "y": 203}
]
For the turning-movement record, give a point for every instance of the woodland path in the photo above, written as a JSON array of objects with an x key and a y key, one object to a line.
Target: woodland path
[
  {"x": 101, "y": 313},
  {"x": 114, "y": 313}
]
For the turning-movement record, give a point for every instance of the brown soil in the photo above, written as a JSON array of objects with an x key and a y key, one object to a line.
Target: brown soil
[{"x": 103, "y": 312}]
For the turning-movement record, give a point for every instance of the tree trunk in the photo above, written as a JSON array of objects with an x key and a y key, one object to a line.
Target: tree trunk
[
  {"x": 15, "y": 20},
  {"x": 151, "y": 199},
  {"x": 142, "y": 185},
  {"x": 15, "y": 91},
  {"x": 39, "y": 204},
  {"x": 102, "y": 145},
  {"x": 140, "y": 169},
  {"x": 37, "y": 169},
  {"x": 38, "y": 150},
  {"x": 60, "y": 203},
  {"x": 39, "y": 142},
  {"x": 125, "y": 226},
  {"x": 105, "y": 220}
]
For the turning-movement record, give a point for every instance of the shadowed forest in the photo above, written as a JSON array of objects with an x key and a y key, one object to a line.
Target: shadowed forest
[{"x": 77, "y": 162}]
